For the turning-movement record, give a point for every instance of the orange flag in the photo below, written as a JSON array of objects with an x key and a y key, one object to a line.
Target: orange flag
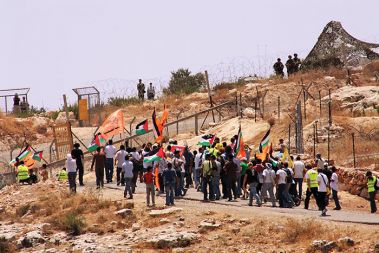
[
  {"x": 113, "y": 125},
  {"x": 157, "y": 185}
]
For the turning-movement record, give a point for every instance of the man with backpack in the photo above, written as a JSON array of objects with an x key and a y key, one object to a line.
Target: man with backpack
[{"x": 251, "y": 179}]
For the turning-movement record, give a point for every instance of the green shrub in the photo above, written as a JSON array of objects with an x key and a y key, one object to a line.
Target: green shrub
[
  {"x": 182, "y": 81},
  {"x": 73, "y": 224},
  {"x": 122, "y": 101}
]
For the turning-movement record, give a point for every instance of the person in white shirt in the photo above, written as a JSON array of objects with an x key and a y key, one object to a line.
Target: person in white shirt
[
  {"x": 199, "y": 159},
  {"x": 71, "y": 172},
  {"x": 323, "y": 182},
  {"x": 127, "y": 169},
  {"x": 119, "y": 160},
  {"x": 110, "y": 152},
  {"x": 268, "y": 183},
  {"x": 334, "y": 186},
  {"x": 299, "y": 169},
  {"x": 162, "y": 166},
  {"x": 281, "y": 179}
]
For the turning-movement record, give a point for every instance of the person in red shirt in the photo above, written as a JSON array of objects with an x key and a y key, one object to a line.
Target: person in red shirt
[{"x": 148, "y": 178}]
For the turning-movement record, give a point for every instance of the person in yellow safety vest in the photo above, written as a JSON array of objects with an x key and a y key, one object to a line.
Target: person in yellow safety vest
[
  {"x": 63, "y": 176},
  {"x": 23, "y": 173},
  {"x": 372, "y": 181},
  {"x": 312, "y": 186}
]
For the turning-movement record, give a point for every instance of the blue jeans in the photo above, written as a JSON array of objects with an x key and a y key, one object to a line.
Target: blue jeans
[
  {"x": 109, "y": 169},
  {"x": 208, "y": 181},
  {"x": 216, "y": 186},
  {"x": 282, "y": 195},
  {"x": 299, "y": 182},
  {"x": 180, "y": 186},
  {"x": 170, "y": 188},
  {"x": 128, "y": 187},
  {"x": 196, "y": 177},
  {"x": 254, "y": 193}
]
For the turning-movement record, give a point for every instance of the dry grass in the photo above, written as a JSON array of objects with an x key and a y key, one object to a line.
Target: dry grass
[{"x": 300, "y": 230}]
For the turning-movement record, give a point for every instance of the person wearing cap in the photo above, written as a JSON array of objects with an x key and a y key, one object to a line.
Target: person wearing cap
[
  {"x": 278, "y": 68},
  {"x": 312, "y": 186},
  {"x": 79, "y": 157},
  {"x": 127, "y": 169},
  {"x": 269, "y": 177},
  {"x": 71, "y": 172},
  {"x": 372, "y": 183}
]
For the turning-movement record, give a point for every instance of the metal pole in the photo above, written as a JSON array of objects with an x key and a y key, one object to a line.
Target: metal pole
[
  {"x": 241, "y": 105},
  {"x": 209, "y": 94},
  {"x": 130, "y": 131},
  {"x": 196, "y": 124},
  {"x": 305, "y": 107},
  {"x": 314, "y": 140},
  {"x": 65, "y": 106},
  {"x": 6, "y": 106},
  {"x": 328, "y": 145},
  {"x": 352, "y": 136}
]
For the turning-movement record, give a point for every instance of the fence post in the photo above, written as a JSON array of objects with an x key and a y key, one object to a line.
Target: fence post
[
  {"x": 319, "y": 98},
  {"x": 130, "y": 131},
  {"x": 209, "y": 94},
  {"x": 330, "y": 109},
  {"x": 305, "y": 107},
  {"x": 314, "y": 139},
  {"x": 196, "y": 124},
  {"x": 241, "y": 105},
  {"x": 328, "y": 144},
  {"x": 255, "y": 110},
  {"x": 352, "y": 136},
  {"x": 236, "y": 104},
  {"x": 65, "y": 106}
]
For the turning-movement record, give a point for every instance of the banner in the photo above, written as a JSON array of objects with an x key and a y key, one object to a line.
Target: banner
[{"x": 113, "y": 125}]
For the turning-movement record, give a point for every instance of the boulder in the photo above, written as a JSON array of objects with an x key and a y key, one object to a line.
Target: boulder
[
  {"x": 164, "y": 221},
  {"x": 30, "y": 239},
  {"x": 346, "y": 242},
  {"x": 249, "y": 112},
  {"x": 62, "y": 117},
  {"x": 172, "y": 240},
  {"x": 323, "y": 246},
  {"x": 163, "y": 212},
  {"x": 124, "y": 212},
  {"x": 136, "y": 227},
  {"x": 208, "y": 224}
]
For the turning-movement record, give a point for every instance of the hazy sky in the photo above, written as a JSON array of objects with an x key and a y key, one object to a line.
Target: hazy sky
[{"x": 53, "y": 46}]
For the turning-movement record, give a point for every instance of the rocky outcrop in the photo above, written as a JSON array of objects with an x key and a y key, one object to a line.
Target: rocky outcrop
[
  {"x": 336, "y": 47},
  {"x": 354, "y": 181}
]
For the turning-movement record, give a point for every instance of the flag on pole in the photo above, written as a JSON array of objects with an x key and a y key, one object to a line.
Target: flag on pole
[
  {"x": 264, "y": 146},
  {"x": 287, "y": 158},
  {"x": 142, "y": 127},
  {"x": 240, "y": 145},
  {"x": 22, "y": 156},
  {"x": 98, "y": 141},
  {"x": 155, "y": 155},
  {"x": 157, "y": 128},
  {"x": 206, "y": 140},
  {"x": 156, "y": 174},
  {"x": 37, "y": 156},
  {"x": 113, "y": 125},
  {"x": 178, "y": 147}
]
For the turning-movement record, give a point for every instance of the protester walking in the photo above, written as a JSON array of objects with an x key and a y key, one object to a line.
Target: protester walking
[
  {"x": 230, "y": 169},
  {"x": 79, "y": 157},
  {"x": 312, "y": 186},
  {"x": 119, "y": 161},
  {"x": 71, "y": 172},
  {"x": 334, "y": 187},
  {"x": 207, "y": 175},
  {"x": 99, "y": 161},
  {"x": 148, "y": 178},
  {"x": 169, "y": 178},
  {"x": 323, "y": 182},
  {"x": 268, "y": 183},
  {"x": 127, "y": 169},
  {"x": 372, "y": 186},
  {"x": 251, "y": 179},
  {"x": 110, "y": 152},
  {"x": 281, "y": 176},
  {"x": 299, "y": 169}
]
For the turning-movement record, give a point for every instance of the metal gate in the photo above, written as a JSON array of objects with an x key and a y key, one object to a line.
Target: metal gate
[{"x": 63, "y": 140}]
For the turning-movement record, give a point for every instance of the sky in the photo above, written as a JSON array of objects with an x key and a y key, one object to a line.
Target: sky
[{"x": 53, "y": 46}]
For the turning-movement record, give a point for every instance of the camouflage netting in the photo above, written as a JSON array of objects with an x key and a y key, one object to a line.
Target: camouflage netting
[{"x": 336, "y": 47}]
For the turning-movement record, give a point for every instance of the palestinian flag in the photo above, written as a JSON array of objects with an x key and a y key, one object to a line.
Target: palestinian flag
[
  {"x": 22, "y": 156},
  {"x": 178, "y": 147},
  {"x": 97, "y": 142},
  {"x": 264, "y": 146},
  {"x": 142, "y": 127},
  {"x": 37, "y": 156},
  {"x": 155, "y": 155},
  {"x": 240, "y": 146},
  {"x": 207, "y": 140}
]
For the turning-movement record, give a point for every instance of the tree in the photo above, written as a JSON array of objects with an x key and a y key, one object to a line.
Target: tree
[{"x": 182, "y": 81}]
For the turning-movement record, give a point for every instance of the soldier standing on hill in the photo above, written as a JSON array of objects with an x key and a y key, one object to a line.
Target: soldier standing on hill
[
  {"x": 150, "y": 92},
  {"x": 290, "y": 65},
  {"x": 278, "y": 68},
  {"x": 141, "y": 89},
  {"x": 297, "y": 63}
]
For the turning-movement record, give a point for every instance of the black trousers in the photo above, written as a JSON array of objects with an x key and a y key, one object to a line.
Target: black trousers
[
  {"x": 80, "y": 171},
  {"x": 161, "y": 182},
  {"x": 99, "y": 177},
  {"x": 120, "y": 177},
  {"x": 207, "y": 181},
  {"x": 224, "y": 185},
  {"x": 231, "y": 187},
  {"x": 372, "y": 201},
  {"x": 336, "y": 200},
  {"x": 312, "y": 191},
  {"x": 72, "y": 181},
  {"x": 188, "y": 177},
  {"x": 322, "y": 200}
]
